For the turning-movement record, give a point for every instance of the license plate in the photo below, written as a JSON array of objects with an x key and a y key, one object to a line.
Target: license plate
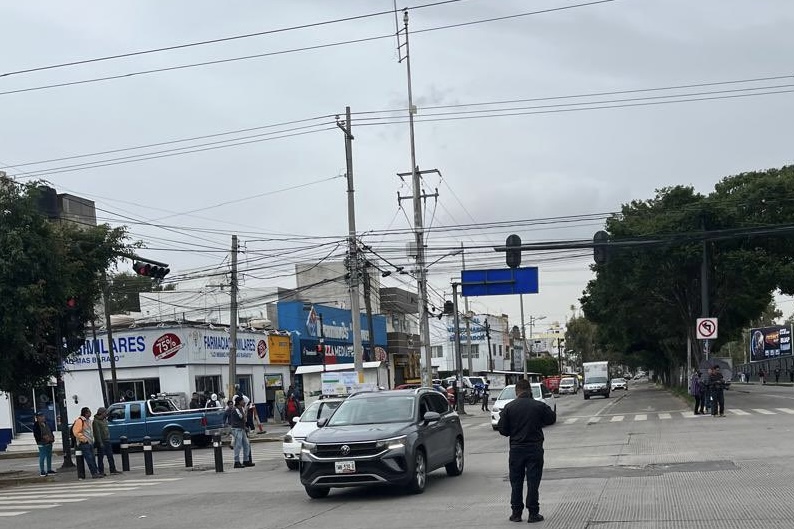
[{"x": 345, "y": 467}]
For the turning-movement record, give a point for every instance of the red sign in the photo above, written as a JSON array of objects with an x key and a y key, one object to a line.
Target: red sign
[
  {"x": 261, "y": 348},
  {"x": 166, "y": 346}
]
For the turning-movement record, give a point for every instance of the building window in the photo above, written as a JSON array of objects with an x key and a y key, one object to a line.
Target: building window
[
  {"x": 475, "y": 351},
  {"x": 208, "y": 384},
  {"x": 500, "y": 350},
  {"x": 437, "y": 351}
]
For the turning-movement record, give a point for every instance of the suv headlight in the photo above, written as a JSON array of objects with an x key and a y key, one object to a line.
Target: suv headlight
[
  {"x": 288, "y": 438},
  {"x": 308, "y": 447},
  {"x": 392, "y": 443}
]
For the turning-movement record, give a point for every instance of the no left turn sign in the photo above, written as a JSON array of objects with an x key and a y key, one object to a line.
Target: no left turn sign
[{"x": 706, "y": 328}]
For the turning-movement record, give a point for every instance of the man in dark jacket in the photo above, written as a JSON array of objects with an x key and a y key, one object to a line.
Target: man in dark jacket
[
  {"x": 102, "y": 442},
  {"x": 523, "y": 419},
  {"x": 716, "y": 388}
]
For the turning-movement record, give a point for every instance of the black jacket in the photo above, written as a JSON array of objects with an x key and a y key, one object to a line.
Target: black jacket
[
  {"x": 716, "y": 382},
  {"x": 523, "y": 419}
]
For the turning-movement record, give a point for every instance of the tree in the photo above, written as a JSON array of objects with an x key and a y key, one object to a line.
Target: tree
[
  {"x": 124, "y": 289},
  {"x": 646, "y": 298},
  {"x": 42, "y": 264}
]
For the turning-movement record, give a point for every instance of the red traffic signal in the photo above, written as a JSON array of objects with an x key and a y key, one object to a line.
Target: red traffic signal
[
  {"x": 150, "y": 270},
  {"x": 71, "y": 302}
]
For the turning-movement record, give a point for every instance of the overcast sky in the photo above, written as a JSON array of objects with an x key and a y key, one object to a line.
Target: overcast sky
[{"x": 544, "y": 162}]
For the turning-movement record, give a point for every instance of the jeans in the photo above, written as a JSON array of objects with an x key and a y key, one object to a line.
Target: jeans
[
  {"x": 45, "y": 456},
  {"x": 241, "y": 443},
  {"x": 525, "y": 464},
  {"x": 718, "y": 403},
  {"x": 88, "y": 456},
  {"x": 105, "y": 449}
]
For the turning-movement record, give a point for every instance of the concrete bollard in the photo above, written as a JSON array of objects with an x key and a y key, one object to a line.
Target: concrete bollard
[
  {"x": 80, "y": 461},
  {"x": 187, "y": 444},
  {"x": 125, "y": 453},
  {"x": 147, "y": 456},
  {"x": 216, "y": 445}
]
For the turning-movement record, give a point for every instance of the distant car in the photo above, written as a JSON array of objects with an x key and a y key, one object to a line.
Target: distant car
[
  {"x": 569, "y": 386},
  {"x": 539, "y": 392},
  {"x": 304, "y": 425},
  {"x": 618, "y": 383}
]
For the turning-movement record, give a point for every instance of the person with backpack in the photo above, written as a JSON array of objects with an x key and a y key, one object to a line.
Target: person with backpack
[{"x": 84, "y": 439}]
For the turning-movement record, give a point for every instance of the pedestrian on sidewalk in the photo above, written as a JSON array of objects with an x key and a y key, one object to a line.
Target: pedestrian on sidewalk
[
  {"x": 486, "y": 394},
  {"x": 44, "y": 439},
  {"x": 240, "y": 434},
  {"x": 717, "y": 387},
  {"x": 292, "y": 409},
  {"x": 777, "y": 375},
  {"x": 522, "y": 420},
  {"x": 84, "y": 435},
  {"x": 762, "y": 376},
  {"x": 102, "y": 442},
  {"x": 696, "y": 391}
]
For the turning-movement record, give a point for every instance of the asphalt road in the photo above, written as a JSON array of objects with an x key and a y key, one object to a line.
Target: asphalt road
[{"x": 639, "y": 459}]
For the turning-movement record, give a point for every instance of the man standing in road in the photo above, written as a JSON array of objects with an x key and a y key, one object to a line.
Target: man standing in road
[
  {"x": 486, "y": 394},
  {"x": 522, "y": 420},
  {"x": 716, "y": 388},
  {"x": 102, "y": 442},
  {"x": 240, "y": 434},
  {"x": 83, "y": 433}
]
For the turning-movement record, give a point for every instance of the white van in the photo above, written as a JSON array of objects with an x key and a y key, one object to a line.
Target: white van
[{"x": 569, "y": 385}]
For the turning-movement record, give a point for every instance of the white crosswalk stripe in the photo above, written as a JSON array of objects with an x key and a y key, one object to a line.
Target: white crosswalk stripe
[
  {"x": 738, "y": 412},
  {"x": 571, "y": 420},
  {"x": 617, "y": 418},
  {"x": 763, "y": 412},
  {"x": 593, "y": 420},
  {"x": 665, "y": 416},
  {"x": 786, "y": 410},
  {"x": 27, "y": 499},
  {"x": 641, "y": 417}
]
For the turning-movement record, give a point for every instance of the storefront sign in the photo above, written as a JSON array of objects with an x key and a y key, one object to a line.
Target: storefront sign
[
  {"x": 342, "y": 383},
  {"x": 770, "y": 342},
  {"x": 280, "y": 348}
]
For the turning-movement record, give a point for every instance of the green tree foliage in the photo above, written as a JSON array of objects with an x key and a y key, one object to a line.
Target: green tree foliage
[
  {"x": 124, "y": 289},
  {"x": 544, "y": 366},
  {"x": 646, "y": 298},
  {"x": 43, "y": 263}
]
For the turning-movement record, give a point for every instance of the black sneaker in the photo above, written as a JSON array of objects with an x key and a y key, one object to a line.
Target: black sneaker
[
  {"x": 115, "y": 472},
  {"x": 516, "y": 516},
  {"x": 533, "y": 518},
  {"x": 51, "y": 472},
  {"x": 238, "y": 465},
  {"x": 249, "y": 464}
]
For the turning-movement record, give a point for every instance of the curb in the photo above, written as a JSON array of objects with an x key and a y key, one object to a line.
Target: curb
[{"x": 14, "y": 478}]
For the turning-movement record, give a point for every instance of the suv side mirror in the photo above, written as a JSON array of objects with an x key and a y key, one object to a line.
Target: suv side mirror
[
  {"x": 431, "y": 416},
  {"x": 295, "y": 420},
  {"x": 322, "y": 422}
]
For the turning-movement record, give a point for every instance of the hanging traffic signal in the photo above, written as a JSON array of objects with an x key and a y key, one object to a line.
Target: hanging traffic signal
[
  {"x": 73, "y": 328},
  {"x": 513, "y": 254},
  {"x": 449, "y": 307},
  {"x": 600, "y": 249},
  {"x": 154, "y": 271}
]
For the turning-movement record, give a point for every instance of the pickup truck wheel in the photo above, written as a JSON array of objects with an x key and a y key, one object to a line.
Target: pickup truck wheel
[
  {"x": 317, "y": 492},
  {"x": 173, "y": 440},
  {"x": 292, "y": 465}
]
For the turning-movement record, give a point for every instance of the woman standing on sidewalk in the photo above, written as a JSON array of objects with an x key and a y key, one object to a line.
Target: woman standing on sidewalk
[
  {"x": 697, "y": 392},
  {"x": 44, "y": 439}
]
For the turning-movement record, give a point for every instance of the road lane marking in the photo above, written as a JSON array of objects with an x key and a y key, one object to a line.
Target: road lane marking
[
  {"x": 617, "y": 418},
  {"x": 739, "y": 412},
  {"x": 763, "y": 412},
  {"x": 48, "y": 500},
  {"x": 571, "y": 421},
  {"x": 641, "y": 417},
  {"x": 593, "y": 420},
  {"x": 13, "y": 513},
  {"x": 663, "y": 416},
  {"x": 688, "y": 414},
  {"x": 34, "y": 495},
  {"x": 786, "y": 410}
]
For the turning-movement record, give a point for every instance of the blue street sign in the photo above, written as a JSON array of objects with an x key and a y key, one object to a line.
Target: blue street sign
[{"x": 499, "y": 281}]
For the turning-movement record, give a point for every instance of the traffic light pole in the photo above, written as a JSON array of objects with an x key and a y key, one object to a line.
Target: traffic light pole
[
  {"x": 233, "y": 322},
  {"x": 66, "y": 440},
  {"x": 458, "y": 357},
  {"x": 114, "y": 396}
]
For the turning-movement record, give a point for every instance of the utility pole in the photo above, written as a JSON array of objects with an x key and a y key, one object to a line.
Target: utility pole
[
  {"x": 459, "y": 359},
  {"x": 114, "y": 397},
  {"x": 704, "y": 286},
  {"x": 66, "y": 440},
  {"x": 524, "y": 337},
  {"x": 466, "y": 316},
  {"x": 233, "y": 322},
  {"x": 421, "y": 278},
  {"x": 488, "y": 337},
  {"x": 368, "y": 308},
  {"x": 95, "y": 346},
  {"x": 352, "y": 258}
]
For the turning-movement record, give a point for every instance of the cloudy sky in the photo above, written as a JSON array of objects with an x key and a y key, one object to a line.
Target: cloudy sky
[{"x": 495, "y": 116}]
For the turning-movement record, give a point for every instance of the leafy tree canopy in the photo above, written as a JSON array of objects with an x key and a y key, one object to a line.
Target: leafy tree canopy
[
  {"x": 43, "y": 263},
  {"x": 645, "y": 298},
  {"x": 124, "y": 290}
]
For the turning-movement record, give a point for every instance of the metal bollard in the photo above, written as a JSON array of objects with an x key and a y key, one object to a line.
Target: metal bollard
[
  {"x": 216, "y": 445},
  {"x": 80, "y": 461},
  {"x": 125, "y": 453},
  {"x": 147, "y": 455},
  {"x": 188, "y": 446}
]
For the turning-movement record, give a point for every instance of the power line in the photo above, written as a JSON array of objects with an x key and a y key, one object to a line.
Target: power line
[{"x": 219, "y": 40}]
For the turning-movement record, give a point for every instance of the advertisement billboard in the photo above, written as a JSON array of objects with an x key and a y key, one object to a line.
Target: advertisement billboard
[{"x": 770, "y": 342}]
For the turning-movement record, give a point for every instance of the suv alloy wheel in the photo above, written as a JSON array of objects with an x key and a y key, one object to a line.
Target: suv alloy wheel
[
  {"x": 455, "y": 468},
  {"x": 417, "y": 485}
]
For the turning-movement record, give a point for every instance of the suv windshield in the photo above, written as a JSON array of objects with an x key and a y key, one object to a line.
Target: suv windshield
[
  {"x": 374, "y": 410},
  {"x": 319, "y": 410},
  {"x": 566, "y": 382}
]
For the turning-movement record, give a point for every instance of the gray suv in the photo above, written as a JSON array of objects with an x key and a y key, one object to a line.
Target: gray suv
[{"x": 383, "y": 438}]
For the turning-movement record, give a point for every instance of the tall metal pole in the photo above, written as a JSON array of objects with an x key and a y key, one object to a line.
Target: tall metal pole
[
  {"x": 66, "y": 440},
  {"x": 523, "y": 337},
  {"x": 355, "y": 309},
  {"x": 458, "y": 356},
  {"x": 233, "y": 323},
  {"x": 114, "y": 397},
  {"x": 95, "y": 346},
  {"x": 421, "y": 272},
  {"x": 466, "y": 316}
]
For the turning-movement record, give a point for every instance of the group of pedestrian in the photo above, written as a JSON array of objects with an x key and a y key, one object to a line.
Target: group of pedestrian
[
  {"x": 91, "y": 434},
  {"x": 708, "y": 392}
]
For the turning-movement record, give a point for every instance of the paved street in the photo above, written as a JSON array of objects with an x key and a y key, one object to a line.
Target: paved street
[{"x": 637, "y": 460}]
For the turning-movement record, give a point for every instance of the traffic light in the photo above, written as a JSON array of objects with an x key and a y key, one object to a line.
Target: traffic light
[
  {"x": 154, "y": 271},
  {"x": 449, "y": 307},
  {"x": 600, "y": 250},
  {"x": 73, "y": 328},
  {"x": 513, "y": 254}
]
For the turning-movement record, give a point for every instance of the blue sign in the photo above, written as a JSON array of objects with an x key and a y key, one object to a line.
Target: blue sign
[{"x": 500, "y": 281}]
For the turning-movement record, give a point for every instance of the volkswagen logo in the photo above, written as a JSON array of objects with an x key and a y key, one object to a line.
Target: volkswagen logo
[{"x": 345, "y": 450}]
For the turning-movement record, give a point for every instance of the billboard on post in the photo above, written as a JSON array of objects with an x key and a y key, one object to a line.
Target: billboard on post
[{"x": 770, "y": 342}]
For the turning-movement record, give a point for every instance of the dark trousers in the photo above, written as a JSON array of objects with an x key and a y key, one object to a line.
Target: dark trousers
[
  {"x": 105, "y": 450},
  {"x": 525, "y": 464},
  {"x": 718, "y": 402},
  {"x": 698, "y": 403},
  {"x": 88, "y": 456},
  {"x": 485, "y": 402}
]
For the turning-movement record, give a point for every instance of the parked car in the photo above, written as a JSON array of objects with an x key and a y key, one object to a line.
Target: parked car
[
  {"x": 162, "y": 422},
  {"x": 569, "y": 386},
  {"x": 391, "y": 437},
  {"x": 618, "y": 383},
  {"x": 539, "y": 392},
  {"x": 303, "y": 426}
]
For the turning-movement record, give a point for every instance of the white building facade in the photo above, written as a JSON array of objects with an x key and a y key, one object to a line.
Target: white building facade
[{"x": 442, "y": 334}]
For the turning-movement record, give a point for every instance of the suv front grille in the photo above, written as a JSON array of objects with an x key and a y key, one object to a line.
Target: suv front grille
[{"x": 355, "y": 450}]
